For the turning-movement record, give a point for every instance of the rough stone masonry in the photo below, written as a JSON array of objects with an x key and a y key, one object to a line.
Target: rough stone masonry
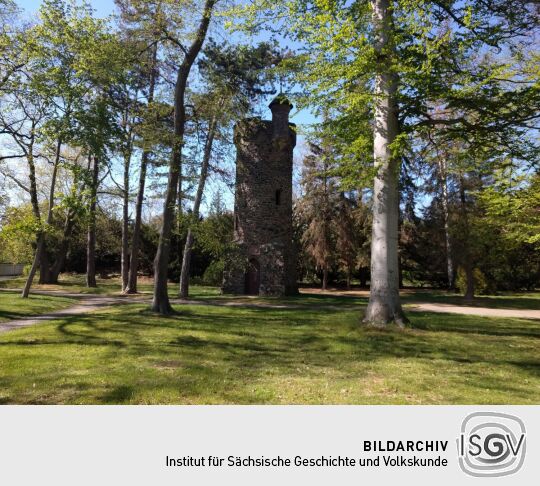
[{"x": 263, "y": 261}]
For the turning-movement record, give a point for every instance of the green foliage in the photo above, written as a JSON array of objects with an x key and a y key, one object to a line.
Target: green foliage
[
  {"x": 316, "y": 210},
  {"x": 12, "y": 57},
  {"x": 444, "y": 83},
  {"x": 333, "y": 226},
  {"x": 481, "y": 285},
  {"x": 17, "y": 230},
  {"x": 214, "y": 235},
  {"x": 512, "y": 203},
  {"x": 213, "y": 275},
  {"x": 240, "y": 74},
  {"x": 73, "y": 59}
]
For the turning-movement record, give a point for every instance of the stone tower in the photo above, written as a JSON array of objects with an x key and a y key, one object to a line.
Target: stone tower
[{"x": 264, "y": 261}]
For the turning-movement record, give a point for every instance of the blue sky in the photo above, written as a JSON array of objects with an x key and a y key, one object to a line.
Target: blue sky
[{"x": 104, "y": 8}]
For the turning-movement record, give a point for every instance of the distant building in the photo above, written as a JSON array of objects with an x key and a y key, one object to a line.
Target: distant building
[
  {"x": 11, "y": 269},
  {"x": 264, "y": 262}
]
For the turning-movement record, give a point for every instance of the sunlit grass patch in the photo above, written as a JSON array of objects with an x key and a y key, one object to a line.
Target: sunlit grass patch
[
  {"x": 12, "y": 306},
  {"x": 316, "y": 353}
]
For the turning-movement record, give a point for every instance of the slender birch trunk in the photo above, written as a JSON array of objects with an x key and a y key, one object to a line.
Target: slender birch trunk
[
  {"x": 384, "y": 305},
  {"x": 40, "y": 238},
  {"x": 467, "y": 258},
  {"x": 443, "y": 175},
  {"x": 53, "y": 180},
  {"x": 125, "y": 223},
  {"x": 131, "y": 287},
  {"x": 186, "y": 260},
  {"x": 91, "y": 236}
]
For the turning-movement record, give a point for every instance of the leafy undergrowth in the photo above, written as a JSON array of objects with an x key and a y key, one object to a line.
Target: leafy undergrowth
[
  {"x": 12, "y": 306},
  {"x": 313, "y": 354}
]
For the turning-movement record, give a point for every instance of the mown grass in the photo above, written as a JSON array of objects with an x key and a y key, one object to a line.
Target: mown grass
[
  {"x": 313, "y": 353},
  {"x": 75, "y": 283},
  {"x": 67, "y": 283},
  {"x": 13, "y": 307}
]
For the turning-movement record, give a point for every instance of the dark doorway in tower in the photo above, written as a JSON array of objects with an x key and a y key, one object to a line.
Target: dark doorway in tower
[{"x": 253, "y": 277}]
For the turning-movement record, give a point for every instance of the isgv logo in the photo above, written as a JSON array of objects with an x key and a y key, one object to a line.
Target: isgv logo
[{"x": 491, "y": 444}]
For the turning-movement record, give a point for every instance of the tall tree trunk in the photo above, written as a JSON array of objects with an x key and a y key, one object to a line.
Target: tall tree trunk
[
  {"x": 125, "y": 224},
  {"x": 40, "y": 237},
  {"x": 400, "y": 272},
  {"x": 33, "y": 268},
  {"x": 91, "y": 236},
  {"x": 44, "y": 264},
  {"x": 363, "y": 277},
  {"x": 45, "y": 273},
  {"x": 443, "y": 175},
  {"x": 384, "y": 304},
  {"x": 58, "y": 151},
  {"x": 131, "y": 287},
  {"x": 469, "y": 275},
  {"x": 160, "y": 301},
  {"x": 63, "y": 248},
  {"x": 325, "y": 277},
  {"x": 186, "y": 260},
  {"x": 179, "y": 214},
  {"x": 69, "y": 224},
  {"x": 467, "y": 258}
]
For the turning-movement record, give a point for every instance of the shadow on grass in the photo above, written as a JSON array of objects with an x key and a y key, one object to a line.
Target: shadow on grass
[
  {"x": 11, "y": 315},
  {"x": 466, "y": 324},
  {"x": 119, "y": 394},
  {"x": 13, "y": 307},
  {"x": 219, "y": 354}
]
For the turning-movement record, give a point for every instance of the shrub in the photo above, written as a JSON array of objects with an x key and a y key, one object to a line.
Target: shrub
[
  {"x": 481, "y": 284},
  {"x": 213, "y": 274}
]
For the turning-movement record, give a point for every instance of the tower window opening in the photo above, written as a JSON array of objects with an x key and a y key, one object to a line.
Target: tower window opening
[{"x": 278, "y": 197}]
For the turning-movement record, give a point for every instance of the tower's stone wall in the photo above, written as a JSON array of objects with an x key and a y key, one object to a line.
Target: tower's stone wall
[{"x": 264, "y": 261}]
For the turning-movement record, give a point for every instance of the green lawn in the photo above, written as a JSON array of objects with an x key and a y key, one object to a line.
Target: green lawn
[
  {"x": 13, "y": 307},
  {"x": 75, "y": 283},
  {"x": 315, "y": 353}
]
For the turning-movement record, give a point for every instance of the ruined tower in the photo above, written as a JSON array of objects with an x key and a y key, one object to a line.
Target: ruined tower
[{"x": 264, "y": 261}]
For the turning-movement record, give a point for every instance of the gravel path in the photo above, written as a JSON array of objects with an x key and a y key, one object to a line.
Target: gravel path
[
  {"x": 86, "y": 304},
  {"x": 476, "y": 311}
]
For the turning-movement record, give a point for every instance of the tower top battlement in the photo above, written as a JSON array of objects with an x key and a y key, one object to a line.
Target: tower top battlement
[
  {"x": 280, "y": 102},
  {"x": 280, "y": 108}
]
